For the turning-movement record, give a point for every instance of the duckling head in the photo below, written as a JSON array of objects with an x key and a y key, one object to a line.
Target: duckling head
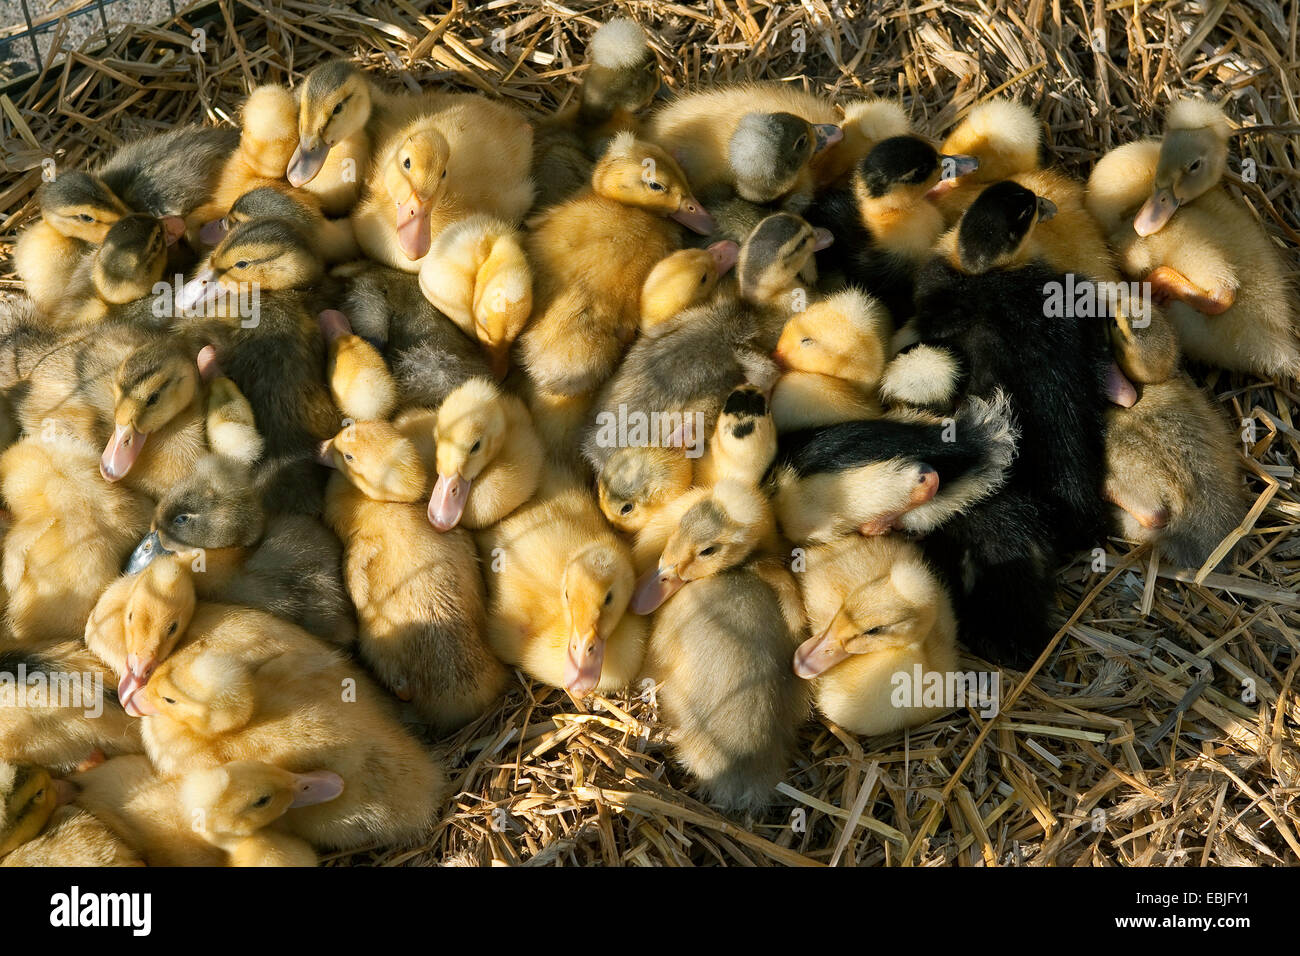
[
  {"x": 1003, "y": 135},
  {"x": 1193, "y": 156},
  {"x": 768, "y": 151},
  {"x": 636, "y": 481},
  {"x": 841, "y": 337},
  {"x": 683, "y": 279},
  {"x": 152, "y": 386},
  {"x": 335, "y": 104},
  {"x": 158, "y": 609},
  {"x": 80, "y": 205},
  {"x": 714, "y": 535},
  {"x": 597, "y": 584},
  {"x": 470, "y": 430},
  {"x": 622, "y": 73},
  {"x": 777, "y": 255},
  {"x": 906, "y": 169},
  {"x": 897, "y": 611},
  {"x": 640, "y": 174},
  {"x": 267, "y": 254},
  {"x": 28, "y": 796},
  {"x": 414, "y": 178},
  {"x": 131, "y": 260},
  {"x": 263, "y": 202},
  {"x": 270, "y": 130},
  {"x": 379, "y": 460},
  {"x": 744, "y": 442},
  {"x": 995, "y": 230},
  {"x": 216, "y": 506},
  {"x": 208, "y": 692},
  {"x": 239, "y": 798}
]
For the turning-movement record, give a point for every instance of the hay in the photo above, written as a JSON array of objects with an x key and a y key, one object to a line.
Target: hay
[{"x": 1158, "y": 728}]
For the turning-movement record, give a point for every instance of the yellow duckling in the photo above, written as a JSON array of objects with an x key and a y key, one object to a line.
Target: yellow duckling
[
  {"x": 125, "y": 268},
  {"x": 833, "y": 355},
  {"x": 418, "y": 593},
  {"x": 469, "y": 155},
  {"x": 637, "y": 482},
  {"x": 876, "y": 610},
  {"x": 38, "y": 827},
  {"x": 559, "y": 582},
  {"x": 1206, "y": 258},
  {"x": 866, "y": 123},
  {"x": 477, "y": 275},
  {"x": 1006, "y": 139},
  {"x": 684, "y": 279}
]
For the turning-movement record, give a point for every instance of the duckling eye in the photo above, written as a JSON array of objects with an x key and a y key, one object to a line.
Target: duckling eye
[
  {"x": 608, "y": 598},
  {"x": 152, "y": 400},
  {"x": 168, "y": 700},
  {"x": 347, "y": 456},
  {"x": 444, "y": 174},
  {"x": 806, "y": 340},
  {"x": 241, "y": 264},
  {"x": 708, "y": 551},
  {"x": 40, "y": 794},
  {"x": 874, "y": 630},
  {"x": 476, "y": 446},
  {"x": 172, "y": 629},
  {"x": 86, "y": 217},
  {"x": 704, "y": 278},
  {"x": 262, "y": 801},
  {"x": 338, "y": 108},
  {"x": 626, "y": 509},
  {"x": 1195, "y": 165},
  {"x": 656, "y": 186},
  {"x": 181, "y": 519},
  {"x": 406, "y": 163}
]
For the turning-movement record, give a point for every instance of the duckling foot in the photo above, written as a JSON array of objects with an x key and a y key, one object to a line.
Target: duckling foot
[{"x": 1168, "y": 285}]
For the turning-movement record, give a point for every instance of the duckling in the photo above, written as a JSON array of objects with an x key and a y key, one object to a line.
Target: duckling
[
  {"x": 240, "y": 803},
  {"x": 359, "y": 380},
  {"x": 1004, "y": 137},
  {"x": 67, "y": 713},
  {"x": 556, "y": 606},
  {"x": 429, "y": 357},
  {"x": 38, "y": 827},
  {"x": 489, "y": 458},
  {"x": 70, "y": 534},
  {"x": 77, "y": 211},
  {"x": 418, "y": 593},
  {"x": 252, "y": 301},
  {"x": 160, "y": 404},
  {"x": 1175, "y": 227},
  {"x": 721, "y": 647},
  {"x": 206, "y": 817},
  {"x": 663, "y": 374},
  {"x": 1052, "y": 369},
  {"x": 591, "y": 256},
  {"x": 333, "y": 239},
  {"x": 716, "y": 529},
  {"x": 477, "y": 275},
  {"x": 758, "y": 139},
  {"x": 638, "y": 481},
  {"x": 468, "y": 155},
  {"x": 621, "y": 79},
  {"x": 256, "y": 688},
  {"x": 832, "y": 357},
  {"x": 342, "y": 115},
  {"x": 285, "y": 564},
  {"x": 875, "y": 610},
  {"x": 908, "y": 471},
  {"x": 1172, "y": 471},
  {"x": 122, "y": 270},
  {"x": 883, "y": 223},
  {"x": 683, "y": 279},
  {"x": 744, "y": 441}
]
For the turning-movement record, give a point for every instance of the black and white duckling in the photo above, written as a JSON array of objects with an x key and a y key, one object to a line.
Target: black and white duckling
[
  {"x": 1173, "y": 225},
  {"x": 884, "y": 226}
]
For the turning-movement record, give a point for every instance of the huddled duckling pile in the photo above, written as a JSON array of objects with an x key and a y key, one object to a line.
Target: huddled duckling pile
[{"x": 744, "y": 392}]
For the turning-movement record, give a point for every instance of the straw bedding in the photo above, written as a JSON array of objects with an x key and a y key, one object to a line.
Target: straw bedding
[{"x": 1160, "y": 726}]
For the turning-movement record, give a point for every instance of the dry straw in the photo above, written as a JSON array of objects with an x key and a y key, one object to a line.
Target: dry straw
[{"x": 1160, "y": 726}]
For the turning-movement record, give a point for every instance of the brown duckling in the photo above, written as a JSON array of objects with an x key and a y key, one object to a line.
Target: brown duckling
[{"x": 38, "y": 827}]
